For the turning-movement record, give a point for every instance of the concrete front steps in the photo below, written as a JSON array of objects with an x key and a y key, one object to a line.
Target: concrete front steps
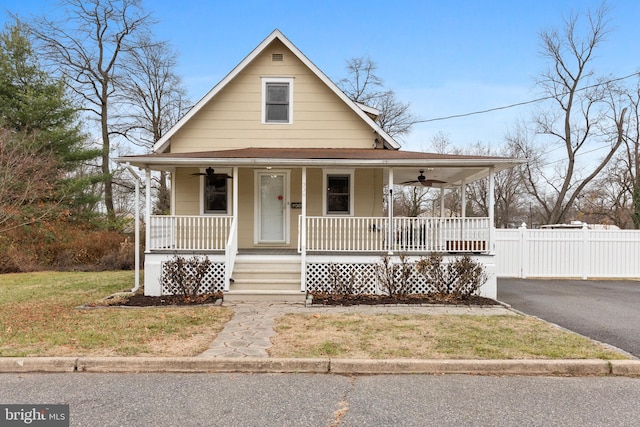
[{"x": 266, "y": 278}]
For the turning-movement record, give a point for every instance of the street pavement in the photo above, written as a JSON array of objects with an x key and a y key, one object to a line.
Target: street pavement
[
  {"x": 604, "y": 310},
  {"x": 329, "y": 400}
]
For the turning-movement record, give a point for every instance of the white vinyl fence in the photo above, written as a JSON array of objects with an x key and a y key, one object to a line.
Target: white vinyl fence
[{"x": 577, "y": 253}]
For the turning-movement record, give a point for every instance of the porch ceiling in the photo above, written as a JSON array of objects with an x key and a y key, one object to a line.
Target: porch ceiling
[{"x": 450, "y": 168}]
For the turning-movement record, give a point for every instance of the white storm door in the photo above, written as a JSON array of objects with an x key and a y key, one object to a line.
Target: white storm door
[{"x": 272, "y": 198}]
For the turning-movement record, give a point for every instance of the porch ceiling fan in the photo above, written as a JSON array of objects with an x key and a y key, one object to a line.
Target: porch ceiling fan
[
  {"x": 209, "y": 172},
  {"x": 422, "y": 180}
]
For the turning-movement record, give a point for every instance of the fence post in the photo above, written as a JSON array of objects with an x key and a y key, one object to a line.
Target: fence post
[
  {"x": 524, "y": 252},
  {"x": 586, "y": 255}
]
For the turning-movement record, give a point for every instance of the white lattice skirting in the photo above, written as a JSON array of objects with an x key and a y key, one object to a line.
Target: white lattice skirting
[
  {"x": 213, "y": 280},
  {"x": 357, "y": 279}
]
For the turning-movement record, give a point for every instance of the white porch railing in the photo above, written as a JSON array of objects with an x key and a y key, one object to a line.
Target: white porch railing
[
  {"x": 410, "y": 235},
  {"x": 189, "y": 232}
]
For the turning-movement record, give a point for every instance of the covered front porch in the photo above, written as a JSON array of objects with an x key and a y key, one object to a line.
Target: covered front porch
[{"x": 314, "y": 237}]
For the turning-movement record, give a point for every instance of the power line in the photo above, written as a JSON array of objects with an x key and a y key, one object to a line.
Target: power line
[
  {"x": 519, "y": 104},
  {"x": 577, "y": 154}
]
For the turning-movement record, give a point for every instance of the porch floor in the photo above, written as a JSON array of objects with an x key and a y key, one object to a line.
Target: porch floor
[{"x": 267, "y": 251}]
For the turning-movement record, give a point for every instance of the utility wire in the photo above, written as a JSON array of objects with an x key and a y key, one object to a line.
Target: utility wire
[
  {"x": 577, "y": 155},
  {"x": 519, "y": 104}
]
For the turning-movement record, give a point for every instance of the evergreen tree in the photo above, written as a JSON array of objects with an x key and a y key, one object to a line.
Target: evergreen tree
[{"x": 35, "y": 108}]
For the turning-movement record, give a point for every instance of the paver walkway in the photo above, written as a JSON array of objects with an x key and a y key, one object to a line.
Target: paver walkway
[{"x": 249, "y": 332}]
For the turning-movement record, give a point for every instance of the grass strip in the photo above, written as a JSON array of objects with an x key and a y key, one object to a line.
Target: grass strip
[{"x": 392, "y": 336}]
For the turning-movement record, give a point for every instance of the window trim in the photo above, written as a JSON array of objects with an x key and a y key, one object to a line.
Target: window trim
[
  {"x": 203, "y": 185},
  {"x": 280, "y": 80},
  {"x": 326, "y": 173}
]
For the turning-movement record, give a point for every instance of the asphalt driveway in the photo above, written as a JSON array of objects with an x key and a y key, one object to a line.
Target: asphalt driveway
[{"x": 604, "y": 310}]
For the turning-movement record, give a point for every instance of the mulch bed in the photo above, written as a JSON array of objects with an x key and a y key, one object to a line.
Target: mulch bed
[
  {"x": 365, "y": 299},
  {"x": 139, "y": 300}
]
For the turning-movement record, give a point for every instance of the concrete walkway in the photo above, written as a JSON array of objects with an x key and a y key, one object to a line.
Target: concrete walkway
[{"x": 249, "y": 332}]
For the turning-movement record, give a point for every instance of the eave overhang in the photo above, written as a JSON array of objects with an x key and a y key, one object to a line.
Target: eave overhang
[{"x": 407, "y": 163}]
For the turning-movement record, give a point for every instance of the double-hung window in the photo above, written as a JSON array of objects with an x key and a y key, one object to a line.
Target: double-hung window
[
  {"x": 216, "y": 194},
  {"x": 277, "y": 100},
  {"x": 338, "y": 195}
]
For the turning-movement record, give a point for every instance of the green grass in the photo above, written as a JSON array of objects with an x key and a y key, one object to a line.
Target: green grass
[
  {"x": 429, "y": 337},
  {"x": 39, "y": 317}
]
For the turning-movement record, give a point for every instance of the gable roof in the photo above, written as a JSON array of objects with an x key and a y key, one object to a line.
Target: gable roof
[{"x": 163, "y": 143}]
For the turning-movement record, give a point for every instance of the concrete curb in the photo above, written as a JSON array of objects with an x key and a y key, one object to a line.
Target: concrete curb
[
  {"x": 476, "y": 367},
  {"x": 629, "y": 368},
  {"x": 38, "y": 364},
  {"x": 319, "y": 366},
  {"x": 200, "y": 364}
]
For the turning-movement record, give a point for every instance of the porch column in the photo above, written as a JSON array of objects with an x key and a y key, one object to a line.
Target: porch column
[
  {"x": 463, "y": 199},
  {"x": 303, "y": 232},
  {"x": 172, "y": 180},
  {"x": 441, "y": 201},
  {"x": 390, "y": 209},
  {"x": 235, "y": 193},
  {"x": 147, "y": 213},
  {"x": 492, "y": 227}
]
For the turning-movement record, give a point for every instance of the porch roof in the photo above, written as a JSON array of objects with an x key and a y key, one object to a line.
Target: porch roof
[{"x": 450, "y": 168}]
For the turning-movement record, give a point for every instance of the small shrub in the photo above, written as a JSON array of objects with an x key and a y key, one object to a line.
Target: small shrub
[
  {"x": 184, "y": 276},
  {"x": 341, "y": 285},
  {"x": 394, "y": 277},
  {"x": 461, "y": 278}
]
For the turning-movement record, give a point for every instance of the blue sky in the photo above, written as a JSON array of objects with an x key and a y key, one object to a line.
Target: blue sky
[{"x": 444, "y": 57}]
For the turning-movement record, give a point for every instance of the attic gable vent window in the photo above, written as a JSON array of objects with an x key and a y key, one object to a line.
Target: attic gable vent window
[
  {"x": 277, "y": 57},
  {"x": 277, "y": 100}
]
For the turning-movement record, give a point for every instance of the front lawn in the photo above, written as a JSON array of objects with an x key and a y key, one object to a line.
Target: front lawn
[
  {"x": 391, "y": 336},
  {"x": 39, "y": 317}
]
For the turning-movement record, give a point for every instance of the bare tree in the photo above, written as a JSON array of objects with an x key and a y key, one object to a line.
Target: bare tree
[
  {"x": 628, "y": 163},
  {"x": 364, "y": 86},
  {"x": 157, "y": 99},
  {"x": 411, "y": 201},
  {"x": 88, "y": 48},
  {"x": 578, "y": 119},
  {"x": 509, "y": 201},
  {"x": 606, "y": 201}
]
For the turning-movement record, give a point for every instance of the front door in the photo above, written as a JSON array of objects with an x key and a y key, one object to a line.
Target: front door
[{"x": 272, "y": 202}]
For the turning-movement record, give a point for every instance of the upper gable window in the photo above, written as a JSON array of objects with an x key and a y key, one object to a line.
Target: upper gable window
[{"x": 277, "y": 100}]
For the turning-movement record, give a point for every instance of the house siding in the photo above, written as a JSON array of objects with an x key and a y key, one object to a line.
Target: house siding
[
  {"x": 187, "y": 193},
  {"x": 233, "y": 118},
  {"x": 368, "y": 198}
]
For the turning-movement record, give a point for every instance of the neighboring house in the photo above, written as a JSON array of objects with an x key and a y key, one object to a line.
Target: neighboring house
[{"x": 282, "y": 181}]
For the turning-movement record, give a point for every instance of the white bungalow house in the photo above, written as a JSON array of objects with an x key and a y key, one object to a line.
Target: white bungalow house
[{"x": 281, "y": 181}]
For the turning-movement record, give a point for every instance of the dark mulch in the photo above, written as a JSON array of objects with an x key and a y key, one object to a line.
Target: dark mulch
[
  {"x": 365, "y": 299},
  {"x": 139, "y": 300}
]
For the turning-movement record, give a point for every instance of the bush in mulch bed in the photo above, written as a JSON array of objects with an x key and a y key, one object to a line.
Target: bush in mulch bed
[{"x": 368, "y": 299}]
